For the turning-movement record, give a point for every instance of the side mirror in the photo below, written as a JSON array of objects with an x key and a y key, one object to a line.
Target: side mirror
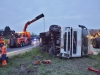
[{"x": 82, "y": 26}]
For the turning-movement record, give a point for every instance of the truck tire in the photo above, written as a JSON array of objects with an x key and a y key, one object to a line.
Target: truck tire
[
  {"x": 10, "y": 46},
  {"x": 30, "y": 42},
  {"x": 11, "y": 43},
  {"x": 17, "y": 46},
  {"x": 95, "y": 43},
  {"x": 54, "y": 29},
  {"x": 21, "y": 44},
  {"x": 51, "y": 52}
]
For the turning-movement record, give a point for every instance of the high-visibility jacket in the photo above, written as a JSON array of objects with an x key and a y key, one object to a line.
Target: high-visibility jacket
[{"x": 3, "y": 50}]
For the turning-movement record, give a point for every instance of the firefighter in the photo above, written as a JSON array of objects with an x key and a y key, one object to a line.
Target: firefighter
[{"x": 3, "y": 54}]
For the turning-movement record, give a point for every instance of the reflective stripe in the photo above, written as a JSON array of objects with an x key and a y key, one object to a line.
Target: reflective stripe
[{"x": 4, "y": 51}]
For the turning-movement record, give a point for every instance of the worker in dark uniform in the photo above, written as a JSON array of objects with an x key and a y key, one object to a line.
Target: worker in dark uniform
[{"x": 3, "y": 52}]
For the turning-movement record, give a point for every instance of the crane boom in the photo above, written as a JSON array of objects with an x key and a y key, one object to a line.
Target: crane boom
[{"x": 29, "y": 22}]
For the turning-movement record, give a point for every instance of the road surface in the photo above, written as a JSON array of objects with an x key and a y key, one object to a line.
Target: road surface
[
  {"x": 15, "y": 51},
  {"x": 20, "y": 50},
  {"x": 34, "y": 44}
]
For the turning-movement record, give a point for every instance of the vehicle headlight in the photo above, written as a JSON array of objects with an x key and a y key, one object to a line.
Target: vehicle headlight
[{"x": 34, "y": 39}]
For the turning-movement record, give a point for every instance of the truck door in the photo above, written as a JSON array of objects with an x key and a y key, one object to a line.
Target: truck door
[
  {"x": 84, "y": 42},
  {"x": 68, "y": 41}
]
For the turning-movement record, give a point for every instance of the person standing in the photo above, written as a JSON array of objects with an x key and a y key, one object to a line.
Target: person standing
[{"x": 3, "y": 52}]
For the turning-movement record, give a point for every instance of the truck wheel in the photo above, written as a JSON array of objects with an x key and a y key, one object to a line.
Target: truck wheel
[
  {"x": 95, "y": 43},
  {"x": 21, "y": 44},
  {"x": 10, "y": 46},
  {"x": 54, "y": 29},
  {"x": 51, "y": 52},
  {"x": 17, "y": 46},
  {"x": 30, "y": 42}
]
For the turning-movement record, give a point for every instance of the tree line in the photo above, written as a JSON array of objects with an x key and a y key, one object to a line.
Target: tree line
[{"x": 6, "y": 32}]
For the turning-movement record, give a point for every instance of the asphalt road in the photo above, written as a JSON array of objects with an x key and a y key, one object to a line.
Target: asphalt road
[{"x": 34, "y": 44}]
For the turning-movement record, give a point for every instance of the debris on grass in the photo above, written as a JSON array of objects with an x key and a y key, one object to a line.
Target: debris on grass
[{"x": 23, "y": 65}]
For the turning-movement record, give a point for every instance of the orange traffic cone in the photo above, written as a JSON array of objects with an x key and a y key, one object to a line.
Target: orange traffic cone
[{"x": 4, "y": 63}]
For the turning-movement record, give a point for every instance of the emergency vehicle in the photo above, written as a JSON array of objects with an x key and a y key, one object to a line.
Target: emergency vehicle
[{"x": 22, "y": 38}]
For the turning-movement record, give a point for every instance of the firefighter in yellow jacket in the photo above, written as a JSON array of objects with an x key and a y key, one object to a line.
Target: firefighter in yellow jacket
[{"x": 3, "y": 54}]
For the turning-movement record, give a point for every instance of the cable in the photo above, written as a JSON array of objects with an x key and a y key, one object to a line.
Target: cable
[{"x": 44, "y": 23}]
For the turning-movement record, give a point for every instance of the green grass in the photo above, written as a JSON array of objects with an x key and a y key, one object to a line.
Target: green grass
[
  {"x": 17, "y": 60},
  {"x": 94, "y": 56},
  {"x": 23, "y": 65}
]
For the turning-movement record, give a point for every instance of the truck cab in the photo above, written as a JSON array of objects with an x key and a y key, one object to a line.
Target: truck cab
[{"x": 75, "y": 42}]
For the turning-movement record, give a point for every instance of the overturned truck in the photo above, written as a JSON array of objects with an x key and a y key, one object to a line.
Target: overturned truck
[{"x": 67, "y": 43}]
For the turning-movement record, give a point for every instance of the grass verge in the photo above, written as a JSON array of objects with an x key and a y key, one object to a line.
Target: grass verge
[{"x": 23, "y": 65}]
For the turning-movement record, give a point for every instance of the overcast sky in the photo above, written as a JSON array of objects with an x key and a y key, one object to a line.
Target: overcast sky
[{"x": 15, "y": 13}]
